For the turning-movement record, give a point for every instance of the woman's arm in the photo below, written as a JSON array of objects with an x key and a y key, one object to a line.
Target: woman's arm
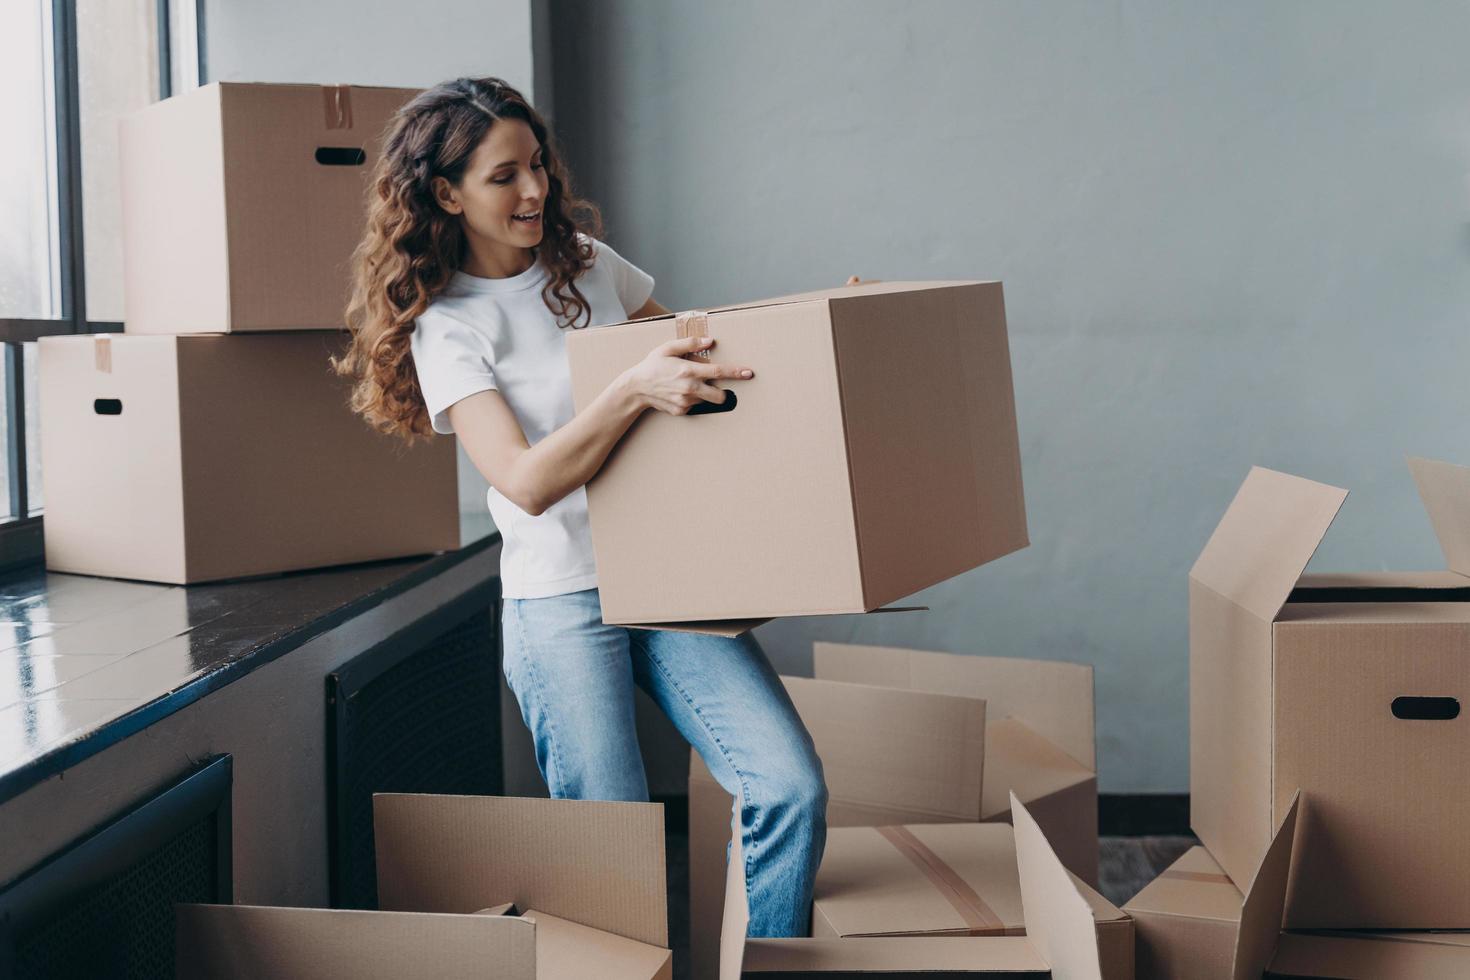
[{"x": 535, "y": 477}]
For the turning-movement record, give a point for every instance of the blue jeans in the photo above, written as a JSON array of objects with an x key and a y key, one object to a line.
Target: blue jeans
[{"x": 573, "y": 677}]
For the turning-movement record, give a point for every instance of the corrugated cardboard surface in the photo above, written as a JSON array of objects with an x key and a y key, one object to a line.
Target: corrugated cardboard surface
[
  {"x": 1061, "y": 795},
  {"x": 275, "y": 256},
  {"x": 772, "y": 468},
  {"x": 1384, "y": 842},
  {"x": 279, "y": 195},
  {"x": 906, "y": 750},
  {"x": 959, "y": 880},
  {"x": 175, "y": 259},
  {"x": 772, "y": 474},
  {"x": 240, "y": 942},
  {"x": 921, "y": 518},
  {"x": 113, "y": 484},
  {"x": 1445, "y": 490},
  {"x": 1053, "y": 698},
  {"x": 1403, "y": 956},
  {"x": 232, "y": 456},
  {"x": 1059, "y": 921},
  {"x": 567, "y": 950},
  {"x": 599, "y": 864}
]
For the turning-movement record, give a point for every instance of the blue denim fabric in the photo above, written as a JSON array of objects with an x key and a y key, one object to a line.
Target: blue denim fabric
[{"x": 574, "y": 676}]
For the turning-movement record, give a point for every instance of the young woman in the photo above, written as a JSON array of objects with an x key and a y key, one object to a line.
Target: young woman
[{"x": 471, "y": 272}]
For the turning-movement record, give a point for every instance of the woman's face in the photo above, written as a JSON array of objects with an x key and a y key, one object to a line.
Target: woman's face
[{"x": 504, "y": 178}]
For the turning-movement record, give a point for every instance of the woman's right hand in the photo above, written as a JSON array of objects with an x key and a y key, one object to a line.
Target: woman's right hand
[{"x": 670, "y": 382}]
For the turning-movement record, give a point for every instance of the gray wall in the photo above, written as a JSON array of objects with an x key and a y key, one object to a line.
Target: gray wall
[{"x": 1229, "y": 233}]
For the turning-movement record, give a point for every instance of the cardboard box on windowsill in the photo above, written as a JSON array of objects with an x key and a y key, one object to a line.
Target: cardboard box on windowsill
[
  {"x": 594, "y": 871},
  {"x": 959, "y": 735},
  {"x": 874, "y": 454},
  {"x": 1349, "y": 687},
  {"x": 242, "y": 204}
]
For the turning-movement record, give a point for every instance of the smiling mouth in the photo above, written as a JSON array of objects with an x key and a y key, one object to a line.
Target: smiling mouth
[{"x": 527, "y": 219}]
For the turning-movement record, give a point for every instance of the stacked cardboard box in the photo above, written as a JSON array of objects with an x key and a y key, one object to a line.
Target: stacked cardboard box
[
  {"x": 960, "y": 734},
  {"x": 452, "y": 873},
  {"x": 1347, "y": 688},
  {"x": 211, "y": 440}
]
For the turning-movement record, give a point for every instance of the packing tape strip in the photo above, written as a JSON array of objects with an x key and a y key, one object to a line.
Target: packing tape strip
[
  {"x": 979, "y": 918},
  {"x": 691, "y": 323},
  {"x": 1208, "y": 877},
  {"x": 102, "y": 352},
  {"x": 337, "y": 103}
]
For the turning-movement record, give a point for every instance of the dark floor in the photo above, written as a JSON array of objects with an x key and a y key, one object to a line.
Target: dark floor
[{"x": 1128, "y": 863}]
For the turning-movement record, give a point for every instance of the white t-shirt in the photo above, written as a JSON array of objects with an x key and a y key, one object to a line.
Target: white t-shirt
[{"x": 498, "y": 333}]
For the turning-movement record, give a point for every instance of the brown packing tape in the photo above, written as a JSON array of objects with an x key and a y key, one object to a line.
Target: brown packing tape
[
  {"x": 979, "y": 919},
  {"x": 1205, "y": 876},
  {"x": 102, "y": 352},
  {"x": 337, "y": 103}
]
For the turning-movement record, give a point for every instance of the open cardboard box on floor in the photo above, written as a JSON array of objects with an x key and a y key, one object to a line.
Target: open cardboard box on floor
[
  {"x": 1349, "y": 687},
  {"x": 594, "y": 873},
  {"x": 951, "y": 879},
  {"x": 937, "y": 757},
  {"x": 242, "y": 204},
  {"x": 874, "y": 454},
  {"x": 1061, "y": 938},
  {"x": 1193, "y": 922},
  {"x": 195, "y": 459}
]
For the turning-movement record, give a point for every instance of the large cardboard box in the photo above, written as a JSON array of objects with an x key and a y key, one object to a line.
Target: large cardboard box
[
  {"x": 242, "y": 204},
  {"x": 599, "y": 866},
  {"x": 953, "y": 879},
  {"x": 938, "y": 757},
  {"x": 1192, "y": 921},
  {"x": 1061, "y": 938},
  {"x": 874, "y": 454},
  {"x": 191, "y": 459},
  {"x": 1349, "y": 687}
]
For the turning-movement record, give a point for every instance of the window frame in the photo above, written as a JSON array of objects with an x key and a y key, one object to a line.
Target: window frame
[{"x": 21, "y": 537}]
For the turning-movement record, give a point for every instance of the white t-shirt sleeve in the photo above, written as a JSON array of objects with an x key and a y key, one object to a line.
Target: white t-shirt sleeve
[
  {"x": 633, "y": 285},
  {"x": 452, "y": 360}
]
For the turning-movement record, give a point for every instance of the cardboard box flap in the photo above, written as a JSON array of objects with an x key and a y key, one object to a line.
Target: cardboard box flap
[
  {"x": 567, "y": 950},
  {"x": 597, "y": 863},
  {"x": 1440, "y": 586},
  {"x": 1445, "y": 490},
  {"x": 919, "y": 879},
  {"x": 1020, "y": 761},
  {"x": 1194, "y": 887},
  {"x": 895, "y": 749},
  {"x": 1059, "y": 921},
  {"x": 1264, "y": 541},
  {"x": 246, "y": 942},
  {"x": 1053, "y": 698},
  {"x": 1262, "y": 911},
  {"x": 844, "y": 292}
]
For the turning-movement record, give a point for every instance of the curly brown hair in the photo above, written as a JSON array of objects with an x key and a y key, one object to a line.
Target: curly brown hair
[{"x": 412, "y": 246}]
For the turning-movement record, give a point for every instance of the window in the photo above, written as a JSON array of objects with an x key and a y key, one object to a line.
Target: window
[{"x": 69, "y": 70}]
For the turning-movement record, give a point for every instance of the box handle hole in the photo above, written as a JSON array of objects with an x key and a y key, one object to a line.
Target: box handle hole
[
  {"x": 710, "y": 408},
  {"x": 340, "y": 156},
  {"x": 107, "y": 406},
  {"x": 1426, "y": 709}
]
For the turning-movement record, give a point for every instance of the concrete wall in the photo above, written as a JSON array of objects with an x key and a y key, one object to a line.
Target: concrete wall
[{"x": 1230, "y": 234}]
